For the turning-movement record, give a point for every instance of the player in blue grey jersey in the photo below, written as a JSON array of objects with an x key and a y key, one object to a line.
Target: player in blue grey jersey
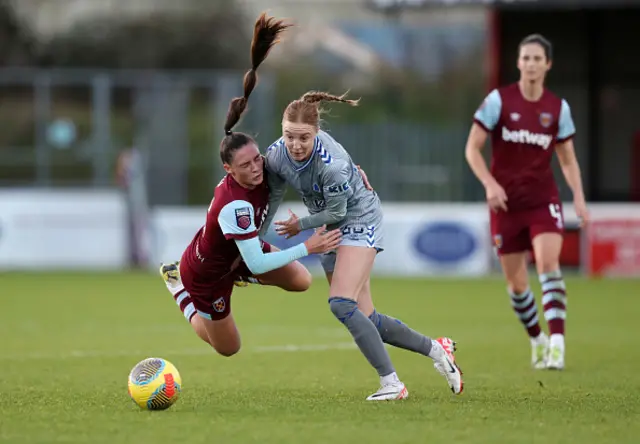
[{"x": 322, "y": 172}]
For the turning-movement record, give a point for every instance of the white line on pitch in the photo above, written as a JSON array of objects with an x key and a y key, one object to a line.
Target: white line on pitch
[
  {"x": 304, "y": 348},
  {"x": 287, "y": 348}
]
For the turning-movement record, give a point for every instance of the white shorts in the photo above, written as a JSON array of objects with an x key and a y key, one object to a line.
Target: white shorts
[{"x": 356, "y": 234}]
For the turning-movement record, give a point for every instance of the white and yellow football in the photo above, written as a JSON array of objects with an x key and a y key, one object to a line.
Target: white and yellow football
[{"x": 154, "y": 384}]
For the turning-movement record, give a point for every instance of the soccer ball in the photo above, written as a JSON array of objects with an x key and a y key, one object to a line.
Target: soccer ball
[{"x": 154, "y": 384}]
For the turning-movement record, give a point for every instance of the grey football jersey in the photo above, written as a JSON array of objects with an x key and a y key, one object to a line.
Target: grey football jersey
[{"x": 328, "y": 183}]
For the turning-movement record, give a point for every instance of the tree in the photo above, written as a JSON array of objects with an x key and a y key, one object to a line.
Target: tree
[
  {"x": 161, "y": 40},
  {"x": 17, "y": 45}
]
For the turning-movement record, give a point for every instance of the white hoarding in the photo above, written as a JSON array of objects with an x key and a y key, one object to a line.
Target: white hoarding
[{"x": 51, "y": 229}]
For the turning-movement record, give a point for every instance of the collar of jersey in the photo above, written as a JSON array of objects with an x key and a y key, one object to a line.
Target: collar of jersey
[{"x": 296, "y": 165}]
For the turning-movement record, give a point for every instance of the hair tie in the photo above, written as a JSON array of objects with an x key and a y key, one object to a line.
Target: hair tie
[{"x": 228, "y": 132}]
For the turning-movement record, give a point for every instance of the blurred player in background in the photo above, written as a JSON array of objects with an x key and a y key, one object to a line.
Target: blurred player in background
[
  {"x": 528, "y": 123},
  {"x": 322, "y": 172},
  {"x": 227, "y": 248}
]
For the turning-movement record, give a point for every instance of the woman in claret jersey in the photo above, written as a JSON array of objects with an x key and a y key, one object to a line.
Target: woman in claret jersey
[
  {"x": 527, "y": 123},
  {"x": 227, "y": 248}
]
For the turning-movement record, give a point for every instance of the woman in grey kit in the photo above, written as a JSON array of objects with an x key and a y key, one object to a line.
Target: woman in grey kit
[{"x": 322, "y": 172}]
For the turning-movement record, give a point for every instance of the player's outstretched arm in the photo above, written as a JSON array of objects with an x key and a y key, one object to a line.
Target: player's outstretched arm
[
  {"x": 259, "y": 262},
  {"x": 236, "y": 220},
  {"x": 336, "y": 191}
]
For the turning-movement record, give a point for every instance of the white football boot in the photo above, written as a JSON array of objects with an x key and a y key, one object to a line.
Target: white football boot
[
  {"x": 171, "y": 276},
  {"x": 539, "y": 351},
  {"x": 445, "y": 362},
  {"x": 242, "y": 281},
  {"x": 555, "y": 358},
  {"x": 391, "y": 389}
]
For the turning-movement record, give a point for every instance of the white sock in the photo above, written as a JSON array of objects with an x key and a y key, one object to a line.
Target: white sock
[
  {"x": 391, "y": 378},
  {"x": 538, "y": 339},
  {"x": 174, "y": 288},
  {"x": 437, "y": 352},
  {"x": 556, "y": 340}
]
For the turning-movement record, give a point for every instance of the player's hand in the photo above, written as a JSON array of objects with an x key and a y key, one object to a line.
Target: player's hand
[
  {"x": 496, "y": 197},
  {"x": 323, "y": 241},
  {"x": 581, "y": 211},
  {"x": 289, "y": 227},
  {"x": 365, "y": 179}
]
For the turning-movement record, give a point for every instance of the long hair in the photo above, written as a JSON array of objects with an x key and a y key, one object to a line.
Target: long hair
[{"x": 265, "y": 35}]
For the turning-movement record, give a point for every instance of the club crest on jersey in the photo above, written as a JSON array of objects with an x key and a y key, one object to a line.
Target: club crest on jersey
[
  {"x": 497, "y": 240},
  {"x": 219, "y": 305},
  {"x": 546, "y": 119},
  {"x": 243, "y": 217}
]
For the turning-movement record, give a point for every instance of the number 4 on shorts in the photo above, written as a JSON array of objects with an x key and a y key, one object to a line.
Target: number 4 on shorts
[{"x": 554, "y": 209}]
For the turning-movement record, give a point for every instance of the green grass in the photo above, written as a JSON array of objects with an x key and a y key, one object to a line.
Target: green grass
[{"x": 68, "y": 342}]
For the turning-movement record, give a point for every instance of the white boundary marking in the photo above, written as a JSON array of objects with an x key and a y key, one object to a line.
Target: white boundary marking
[
  {"x": 71, "y": 354},
  {"x": 305, "y": 348}
]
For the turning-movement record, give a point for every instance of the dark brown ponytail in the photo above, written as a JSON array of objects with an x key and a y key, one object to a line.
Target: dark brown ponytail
[{"x": 265, "y": 36}]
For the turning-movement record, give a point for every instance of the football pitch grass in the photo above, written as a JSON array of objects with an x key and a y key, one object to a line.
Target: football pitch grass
[{"x": 68, "y": 342}]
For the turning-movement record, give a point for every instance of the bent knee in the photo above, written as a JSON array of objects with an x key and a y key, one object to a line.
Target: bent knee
[
  {"x": 517, "y": 287},
  {"x": 518, "y": 283},
  {"x": 301, "y": 281},
  {"x": 547, "y": 266},
  {"x": 342, "y": 308},
  {"x": 516, "y": 276},
  {"x": 228, "y": 347},
  {"x": 227, "y": 351}
]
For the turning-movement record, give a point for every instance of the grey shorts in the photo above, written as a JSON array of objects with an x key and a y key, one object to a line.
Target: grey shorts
[{"x": 356, "y": 234}]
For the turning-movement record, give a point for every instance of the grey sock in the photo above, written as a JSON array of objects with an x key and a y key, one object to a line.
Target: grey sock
[
  {"x": 394, "y": 332},
  {"x": 364, "y": 333}
]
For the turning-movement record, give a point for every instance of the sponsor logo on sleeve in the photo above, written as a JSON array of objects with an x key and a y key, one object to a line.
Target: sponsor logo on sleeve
[{"x": 243, "y": 217}]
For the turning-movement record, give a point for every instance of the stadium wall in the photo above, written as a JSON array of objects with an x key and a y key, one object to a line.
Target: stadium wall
[
  {"x": 451, "y": 239},
  {"x": 91, "y": 230}
]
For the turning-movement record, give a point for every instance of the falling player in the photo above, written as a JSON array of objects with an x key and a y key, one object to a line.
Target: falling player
[
  {"x": 322, "y": 172},
  {"x": 527, "y": 124},
  {"x": 227, "y": 247}
]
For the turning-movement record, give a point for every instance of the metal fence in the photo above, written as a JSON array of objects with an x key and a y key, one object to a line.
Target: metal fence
[{"x": 68, "y": 127}]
